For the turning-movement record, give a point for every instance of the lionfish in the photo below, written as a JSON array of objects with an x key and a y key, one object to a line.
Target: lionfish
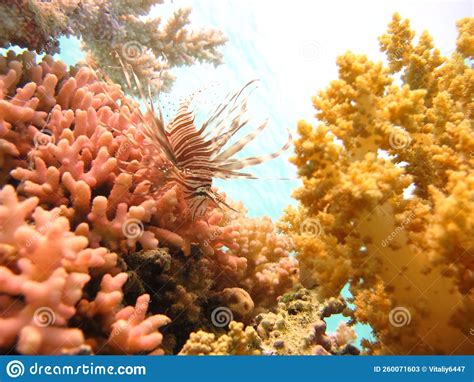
[{"x": 195, "y": 155}]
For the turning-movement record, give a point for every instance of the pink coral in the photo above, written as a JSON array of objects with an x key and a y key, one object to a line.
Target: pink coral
[
  {"x": 81, "y": 162},
  {"x": 48, "y": 266},
  {"x": 262, "y": 263},
  {"x": 55, "y": 143},
  {"x": 72, "y": 145},
  {"x": 132, "y": 332}
]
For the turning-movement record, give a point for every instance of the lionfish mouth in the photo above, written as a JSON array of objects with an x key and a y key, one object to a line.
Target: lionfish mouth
[{"x": 197, "y": 155}]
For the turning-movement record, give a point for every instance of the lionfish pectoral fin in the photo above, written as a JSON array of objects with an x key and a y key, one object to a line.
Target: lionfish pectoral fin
[
  {"x": 124, "y": 70},
  {"x": 160, "y": 78},
  {"x": 219, "y": 140},
  {"x": 236, "y": 147},
  {"x": 238, "y": 164},
  {"x": 228, "y": 174}
]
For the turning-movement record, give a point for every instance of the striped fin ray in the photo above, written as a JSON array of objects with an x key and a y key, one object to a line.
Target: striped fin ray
[
  {"x": 234, "y": 114},
  {"x": 226, "y": 107},
  {"x": 219, "y": 142},
  {"x": 156, "y": 133},
  {"x": 230, "y": 110},
  {"x": 237, "y": 164},
  {"x": 236, "y": 147},
  {"x": 228, "y": 174}
]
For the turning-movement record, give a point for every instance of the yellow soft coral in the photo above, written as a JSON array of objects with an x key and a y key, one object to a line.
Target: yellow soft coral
[
  {"x": 465, "y": 43},
  {"x": 387, "y": 202}
]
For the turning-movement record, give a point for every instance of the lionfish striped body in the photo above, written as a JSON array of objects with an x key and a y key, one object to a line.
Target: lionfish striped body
[
  {"x": 192, "y": 157},
  {"x": 197, "y": 155}
]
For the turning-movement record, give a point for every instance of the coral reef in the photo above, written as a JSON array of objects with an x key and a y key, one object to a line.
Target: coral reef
[
  {"x": 297, "y": 326},
  {"x": 85, "y": 236},
  {"x": 238, "y": 341},
  {"x": 113, "y": 240},
  {"x": 269, "y": 271},
  {"x": 246, "y": 279},
  {"x": 44, "y": 268},
  {"x": 110, "y": 29},
  {"x": 388, "y": 207}
]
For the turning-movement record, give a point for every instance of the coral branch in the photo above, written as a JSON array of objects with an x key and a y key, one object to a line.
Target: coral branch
[
  {"x": 398, "y": 227},
  {"x": 111, "y": 29}
]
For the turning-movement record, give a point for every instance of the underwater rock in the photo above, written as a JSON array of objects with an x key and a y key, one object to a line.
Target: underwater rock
[
  {"x": 297, "y": 326},
  {"x": 238, "y": 301},
  {"x": 397, "y": 228},
  {"x": 194, "y": 291}
]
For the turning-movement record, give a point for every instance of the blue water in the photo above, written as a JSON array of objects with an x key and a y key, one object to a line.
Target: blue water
[{"x": 292, "y": 48}]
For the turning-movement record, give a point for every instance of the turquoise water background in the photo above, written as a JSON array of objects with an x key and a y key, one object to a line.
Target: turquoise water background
[{"x": 292, "y": 48}]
